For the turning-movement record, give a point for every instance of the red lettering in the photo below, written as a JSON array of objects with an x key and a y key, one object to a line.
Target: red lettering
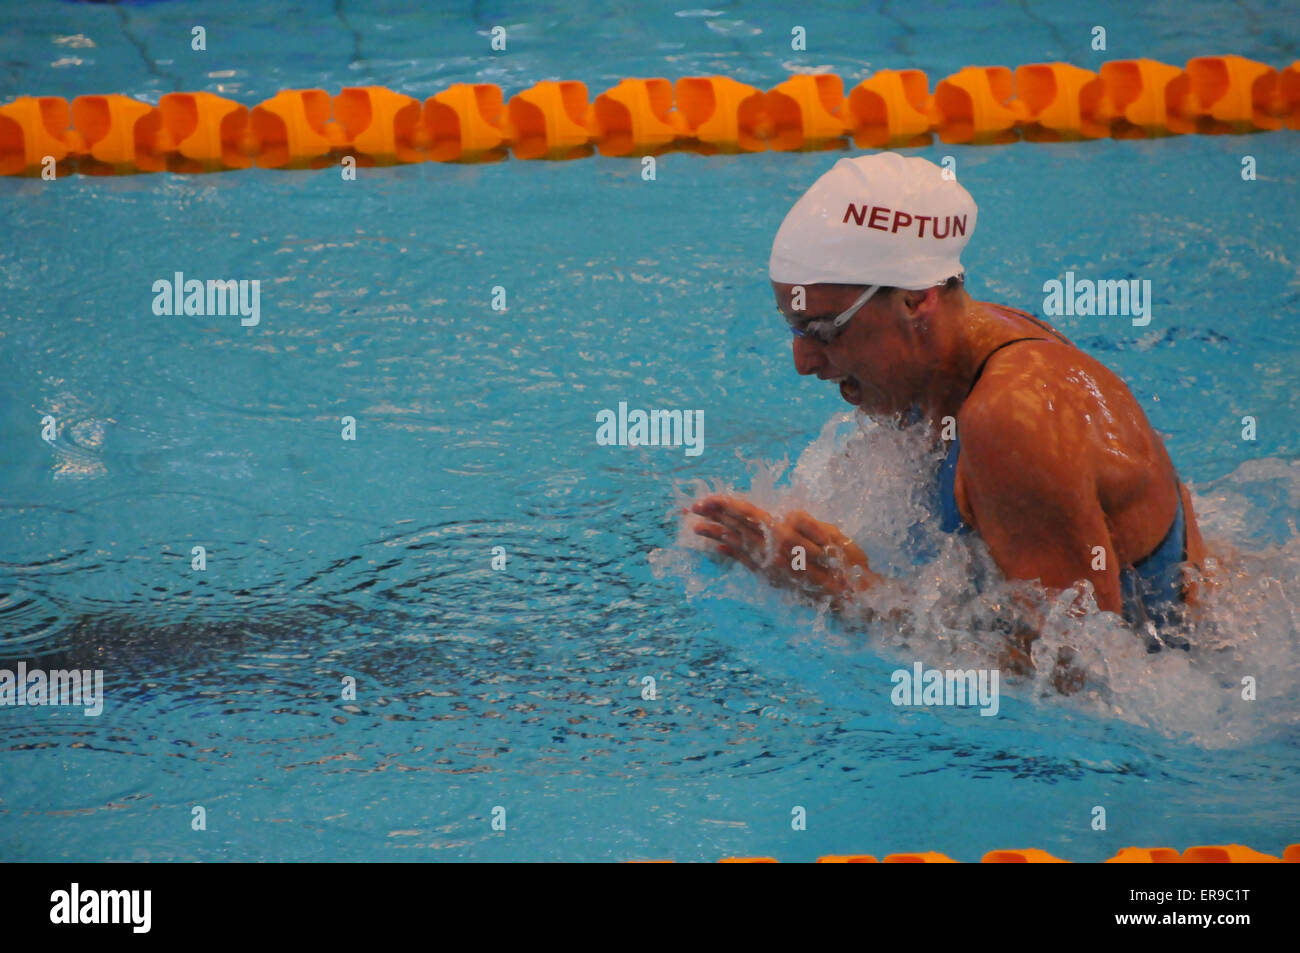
[
  {"x": 883, "y": 213},
  {"x": 858, "y": 216},
  {"x": 898, "y": 224},
  {"x": 923, "y": 219},
  {"x": 959, "y": 226},
  {"x": 947, "y": 226}
]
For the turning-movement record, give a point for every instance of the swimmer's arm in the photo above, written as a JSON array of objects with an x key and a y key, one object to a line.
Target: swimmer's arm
[
  {"x": 1039, "y": 515},
  {"x": 1037, "y": 510},
  {"x": 794, "y": 551}
]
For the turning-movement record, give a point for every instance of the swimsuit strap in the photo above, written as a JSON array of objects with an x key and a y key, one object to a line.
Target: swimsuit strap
[
  {"x": 1028, "y": 317},
  {"x": 950, "y": 518},
  {"x": 980, "y": 370},
  {"x": 1036, "y": 320}
]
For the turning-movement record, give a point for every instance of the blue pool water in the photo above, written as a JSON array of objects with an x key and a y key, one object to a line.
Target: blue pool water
[{"x": 521, "y": 688}]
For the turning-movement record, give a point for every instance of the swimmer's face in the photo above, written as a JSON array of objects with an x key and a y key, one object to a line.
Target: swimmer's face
[{"x": 874, "y": 356}]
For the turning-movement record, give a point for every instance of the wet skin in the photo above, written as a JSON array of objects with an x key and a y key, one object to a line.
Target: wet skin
[{"x": 1057, "y": 456}]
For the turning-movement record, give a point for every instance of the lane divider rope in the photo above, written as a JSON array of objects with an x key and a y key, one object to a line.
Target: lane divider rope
[
  {"x": 472, "y": 122},
  {"x": 1220, "y": 854}
]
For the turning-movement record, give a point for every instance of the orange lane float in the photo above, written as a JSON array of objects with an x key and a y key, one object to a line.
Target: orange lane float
[
  {"x": 1147, "y": 855},
  {"x": 1227, "y": 854},
  {"x": 974, "y": 105},
  {"x": 929, "y": 857},
  {"x": 891, "y": 107},
  {"x": 1031, "y": 855},
  {"x": 804, "y": 112},
  {"x": 293, "y": 128},
  {"x": 118, "y": 135},
  {"x": 466, "y": 122},
  {"x": 31, "y": 129},
  {"x": 1052, "y": 97},
  {"x": 636, "y": 116},
  {"x": 381, "y": 125},
  {"x": 722, "y": 114},
  {"x": 847, "y": 859},
  {"x": 474, "y": 122},
  {"x": 1134, "y": 99},
  {"x": 1289, "y": 95},
  {"x": 1225, "y": 94},
  {"x": 205, "y": 132},
  {"x": 550, "y": 121}
]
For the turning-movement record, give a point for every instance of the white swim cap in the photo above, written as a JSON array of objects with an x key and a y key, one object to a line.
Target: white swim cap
[{"x": 877, "y": 219}]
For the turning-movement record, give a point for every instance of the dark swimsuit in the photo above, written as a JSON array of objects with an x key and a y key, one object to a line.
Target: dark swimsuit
[{"x": 1152, "y": 588}]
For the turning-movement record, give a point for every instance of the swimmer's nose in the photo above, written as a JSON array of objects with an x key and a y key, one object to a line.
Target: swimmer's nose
[{"x": 808, "y": 355}]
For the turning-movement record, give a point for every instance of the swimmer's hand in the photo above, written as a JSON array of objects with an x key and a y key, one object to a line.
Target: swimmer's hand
[{"x": 831, "y": 564}]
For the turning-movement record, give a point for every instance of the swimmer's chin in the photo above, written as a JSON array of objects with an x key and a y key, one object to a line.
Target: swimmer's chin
[{"x": 851, "y": 392}]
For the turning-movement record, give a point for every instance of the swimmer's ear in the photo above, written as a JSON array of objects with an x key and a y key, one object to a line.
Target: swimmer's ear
[{"x": 918, "y": 303}]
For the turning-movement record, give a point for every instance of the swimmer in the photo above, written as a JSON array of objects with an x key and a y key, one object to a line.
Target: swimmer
[{"x": 1052, "y": 455}]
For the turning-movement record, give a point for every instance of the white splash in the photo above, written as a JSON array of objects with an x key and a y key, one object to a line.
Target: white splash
[{"x": 876, "y": 483}]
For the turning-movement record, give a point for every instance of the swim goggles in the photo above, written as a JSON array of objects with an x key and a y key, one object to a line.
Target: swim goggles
[{"x": 824, "y": 331}]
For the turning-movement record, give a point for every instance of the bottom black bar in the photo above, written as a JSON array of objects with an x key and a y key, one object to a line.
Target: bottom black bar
[{"x": 338, "y": 902}]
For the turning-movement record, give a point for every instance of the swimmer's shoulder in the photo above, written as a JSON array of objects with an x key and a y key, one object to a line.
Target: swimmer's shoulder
[
  {"x": 1047, "y": 407},
  {"x": 1048, "y": 380}
]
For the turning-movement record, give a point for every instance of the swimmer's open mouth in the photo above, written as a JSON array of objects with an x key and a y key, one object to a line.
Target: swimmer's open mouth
[{"x": 851, "y": 390}]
